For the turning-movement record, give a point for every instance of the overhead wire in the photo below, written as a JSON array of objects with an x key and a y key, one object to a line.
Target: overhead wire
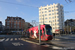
[
  {"x": 18, "y": 4},
  {"x": 30, "y": 5}
]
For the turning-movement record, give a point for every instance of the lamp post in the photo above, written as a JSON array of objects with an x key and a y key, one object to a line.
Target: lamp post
[{"x": 67, "y": 27}]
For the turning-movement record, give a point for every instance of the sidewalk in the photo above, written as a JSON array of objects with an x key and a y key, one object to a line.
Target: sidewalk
[{"x": 64, "y": 40}]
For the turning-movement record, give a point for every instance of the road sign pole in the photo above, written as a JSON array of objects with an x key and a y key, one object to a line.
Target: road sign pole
[{"x": 39, "y": 34}]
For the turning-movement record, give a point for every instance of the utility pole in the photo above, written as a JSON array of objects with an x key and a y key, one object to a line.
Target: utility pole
[
  {"x": 39, "y": 34},
  {"x": 67, "y": 26}
]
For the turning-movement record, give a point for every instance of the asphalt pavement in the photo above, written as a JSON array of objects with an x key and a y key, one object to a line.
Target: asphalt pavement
[{"x": 14, "y": 42}]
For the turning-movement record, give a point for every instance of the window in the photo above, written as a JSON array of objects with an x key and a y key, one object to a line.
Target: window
[
  {"x": 45, "y": 14},
  {"x": 8, "y": 18},
  {"x": 7, "y": 23},
  {"x": 45, "y": 11},
  {"x": 52, "y": 13},
  {"x": 14, "y": 21},
  {"x": 49, "y": 10},
  {"x": 17, "y": 21},
  {"x": 56, "y": 6},
  {"x": 45, "y": 8},
  {"x": 53, "y": 24},
  {"x": 14, "y": 26},
  {"x": 52, "y": 7},
  {"x": 56, "y": 10},
  {"x": 49, "y": 21},
  {"x": 53, "y": 28},
  {"x": 49, "y": 17},
  {"x": 52, "y": 10},
  {"x": 49, "y": 7},
  {"x": 57, "y": 20},
  {"x": 57, "y": 13},
  {"x": 53, "y": 17},
  {"x": 18, "y": 26},
  {"x": 49, "y": 14},
  {"x": 45, "y": 18},
  {"x": 53, "y": 20},
  {"x": 57, "y": 16},
  {"x": 45, "y": 21},
  {"x": 15, "y": 18},
  {"x": 7, "y": 26},
  {"x": 42, "y": 9},
  {"x": 57, "y": 23}
]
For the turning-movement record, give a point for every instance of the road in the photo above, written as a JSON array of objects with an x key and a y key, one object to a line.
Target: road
[{"x": 14, "y": 42}]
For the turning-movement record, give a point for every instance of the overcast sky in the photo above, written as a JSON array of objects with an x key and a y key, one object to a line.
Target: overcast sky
[{"x": 31, "y": 12}]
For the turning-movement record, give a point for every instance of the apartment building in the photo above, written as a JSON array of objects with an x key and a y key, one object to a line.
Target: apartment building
[
  {"x": 52, "y": 14},
  {"x": 14, "y": 24}
]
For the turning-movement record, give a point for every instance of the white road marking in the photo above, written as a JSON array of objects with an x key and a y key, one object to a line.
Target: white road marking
[
  {"x": 17, "y": 44},
  {"x": 19, "y": 38},
  {"x": 54, "y": 47},
  {"x": 2, "y": 40},
  {"x": 11, "y": 39},
  {"x": 7, "y": 39},
  {"x": 15, "y": 38}
]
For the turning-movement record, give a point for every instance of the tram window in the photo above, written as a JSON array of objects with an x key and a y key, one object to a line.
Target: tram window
[
  {"x": 41, "y": 32},
  {"x": 31, "y": 33},
  {"x": 44, "y": 31}
]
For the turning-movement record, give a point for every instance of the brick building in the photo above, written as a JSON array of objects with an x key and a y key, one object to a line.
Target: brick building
[{"x": 14, "y": 24}]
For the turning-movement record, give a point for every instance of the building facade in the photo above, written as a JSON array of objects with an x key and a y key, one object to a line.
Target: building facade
[
  {"x": 53, "y": 15},
  {"x": 0, "y": 26},
  {"x": 28, "y": 25},
  {"x": 14, "y": 24},
  {"x": 70, "y": 25},
  {"x": 70, "y": 22}
]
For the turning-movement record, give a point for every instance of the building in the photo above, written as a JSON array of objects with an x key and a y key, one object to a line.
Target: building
[
  {"x": 70, "y": 25},
  {"x": 14, "y": 24},
  {"x": 70, "y": 22},
  {"x": 28, "y": 25},
  {"x": 1, "y": 26},
  {"x": 53, "y": 15}
]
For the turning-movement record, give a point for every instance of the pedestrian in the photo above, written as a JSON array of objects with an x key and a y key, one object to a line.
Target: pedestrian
[{"x": 54, "y": 36}]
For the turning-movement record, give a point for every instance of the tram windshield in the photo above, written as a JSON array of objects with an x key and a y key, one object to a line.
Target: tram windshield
[{"x": 48, "y": 30}]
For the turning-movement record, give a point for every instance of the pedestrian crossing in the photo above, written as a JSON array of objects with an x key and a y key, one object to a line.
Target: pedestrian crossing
[{"x": 10, "y": 39}]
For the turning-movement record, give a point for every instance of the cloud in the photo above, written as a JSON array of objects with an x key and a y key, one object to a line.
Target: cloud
[{"x": 19, "y": 0}]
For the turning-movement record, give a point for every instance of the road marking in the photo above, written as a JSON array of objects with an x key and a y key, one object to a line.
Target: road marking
[
  {"x": 17, "y": 44},
  {"x": 11, "y": 39},
  {"x": 2, "y": 40},
  {"x": 15, "y": 38},
  {"x": 54, "y": 47},
  {"x": 7, "y": 39},
  {"x": 19, "y": 38}
]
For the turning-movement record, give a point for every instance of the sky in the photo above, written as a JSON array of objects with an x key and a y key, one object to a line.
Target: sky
[{"x": 27, "y": 9}]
